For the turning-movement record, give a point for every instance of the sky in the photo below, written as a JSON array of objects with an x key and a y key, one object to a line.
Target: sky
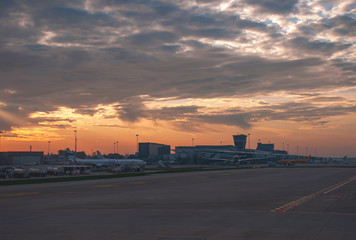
[{"x": 282, "y": 71}]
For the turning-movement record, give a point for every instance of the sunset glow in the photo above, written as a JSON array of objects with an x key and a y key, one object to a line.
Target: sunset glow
[{"x": 171, "y": 71}]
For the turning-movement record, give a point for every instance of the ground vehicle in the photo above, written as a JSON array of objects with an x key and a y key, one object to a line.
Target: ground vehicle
[
  {"x": 38, "y": 171},
  {"x": 21, "y": 172},
  {"x": 85, "y": 169},
  {"x": 55, "y": 170},
  {"x": 6, "y": 172}
]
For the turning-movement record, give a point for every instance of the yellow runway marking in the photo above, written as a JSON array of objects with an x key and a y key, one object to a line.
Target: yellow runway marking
[
  {"x": 104, "y": 186},
  {"x": 19, "y": 194},
  {"x": 288, "y": 206}
]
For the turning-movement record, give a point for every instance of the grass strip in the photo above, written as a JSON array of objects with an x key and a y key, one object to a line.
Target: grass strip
[{"x": 96, "y": 177}]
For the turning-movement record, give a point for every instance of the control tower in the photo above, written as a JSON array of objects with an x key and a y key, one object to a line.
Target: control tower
[{"x": 240, "y": 141}]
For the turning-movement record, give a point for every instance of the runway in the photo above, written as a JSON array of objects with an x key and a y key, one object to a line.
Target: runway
[{"x": 265, "y": 203}]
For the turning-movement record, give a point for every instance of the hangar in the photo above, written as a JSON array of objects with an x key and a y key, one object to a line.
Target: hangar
[{"x": 21, "y": 158}]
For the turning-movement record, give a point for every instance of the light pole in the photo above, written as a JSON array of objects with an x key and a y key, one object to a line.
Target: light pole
[
  {"x": 137, "y": 143},
  {"x": 249, "y": 147},
  {"x": 297, "y": 149},
  {"x": 283, "y": 146},
  {"x": 75, "y": 145},
  {"x": 192, "y": 142},
  {"x": 114, "y": 147},
  {"x": 75, "y": 152},
  {"x": 48, "y": 150},
  {"x": 306, "y": 151},
  {"x": 117, "y": 147},
  {"x": 0, "y": 139}
]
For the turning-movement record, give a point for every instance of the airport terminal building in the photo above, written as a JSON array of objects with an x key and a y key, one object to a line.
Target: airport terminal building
[
  {"x": 21, "y": 158},
  {"x": 155, "y": 150}
]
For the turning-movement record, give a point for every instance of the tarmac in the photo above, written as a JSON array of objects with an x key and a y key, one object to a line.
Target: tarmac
[{"x": 259, "y": 203}]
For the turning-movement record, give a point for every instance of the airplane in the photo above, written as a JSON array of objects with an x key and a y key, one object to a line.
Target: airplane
[
  {"x": 234, "y": 157},
  {"x": 293, "y": 161},
  {"x": 136, "y": 164},
  {"x": 337, "y": 160}
]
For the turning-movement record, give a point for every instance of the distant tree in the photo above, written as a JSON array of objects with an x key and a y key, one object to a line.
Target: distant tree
[
  {"x": 61, "y": 152},
  {"x": 115, "y": 156},
  {"x": 130, "y": 156},
  {"x": 81, "y": 154}
]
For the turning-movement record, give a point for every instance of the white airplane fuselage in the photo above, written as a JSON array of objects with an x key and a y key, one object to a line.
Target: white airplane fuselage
[{"x": 106, "y": 162}]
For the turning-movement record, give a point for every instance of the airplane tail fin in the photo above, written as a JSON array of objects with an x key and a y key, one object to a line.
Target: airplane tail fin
[
  {"x": 70, "y": 155},
  {"x": 99, "y": 155}
]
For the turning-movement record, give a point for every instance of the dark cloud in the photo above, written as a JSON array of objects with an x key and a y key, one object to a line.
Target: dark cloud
[
  {"x": 215, "y": 33},
  {"x": 347, "y": 67},
  {"x": 164, "y": 8},
  {"x": 324, "y": 99},
  {"x": 77, "y": 55},
  {"x": 131, "y": 110},
  {"x": 89, "y": 112},
  {"x": 326, "y": 48},
  {"x": 38, "y": 47},
  {"x": 241, "y": 120},
  {"x": 5, "y": 7},
  {"x": 343, "y": 25},
  {"x": 173, "y": 113},
  {"x": 274, "y": 6},
  {"x": 6, "y": 124},
  {"x": 12, "y": 115},
  {"x": 153, "y": 38},
  {"x": 303, "y": 112},
  {"x": 10, "y": 60},
  {"x": 69, "y": 18},
  {"x": 248, "y": 24}
]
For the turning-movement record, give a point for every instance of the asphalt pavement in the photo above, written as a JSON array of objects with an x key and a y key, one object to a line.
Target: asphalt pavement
[{"x": 260, "y": 203}]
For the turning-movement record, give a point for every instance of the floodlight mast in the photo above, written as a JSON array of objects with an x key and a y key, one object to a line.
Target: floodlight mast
[
  {"x": 0, "y": 139},
  {"x": 137, "y": 143}
]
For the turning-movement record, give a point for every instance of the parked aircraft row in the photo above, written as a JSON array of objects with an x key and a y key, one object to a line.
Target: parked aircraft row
[
  {"x": 337, "y": 160},
  {"x": 120, "y": 164},
  {"x": 42, "y": 171},
  {"x": 234, "y": 157}
]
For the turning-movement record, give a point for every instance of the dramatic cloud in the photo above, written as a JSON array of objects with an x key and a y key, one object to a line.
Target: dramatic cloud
[{"x": 129, "y": 54}]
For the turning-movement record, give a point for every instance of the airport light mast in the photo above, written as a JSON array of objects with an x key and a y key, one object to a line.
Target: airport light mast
[
  {"x": 75, "y": 145},
  {"x": 0, "y": 139},
  {"x": 75, "y": 152},
  {"x": 48, "y": 150},
  {"x": 137, "y": 143}
]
